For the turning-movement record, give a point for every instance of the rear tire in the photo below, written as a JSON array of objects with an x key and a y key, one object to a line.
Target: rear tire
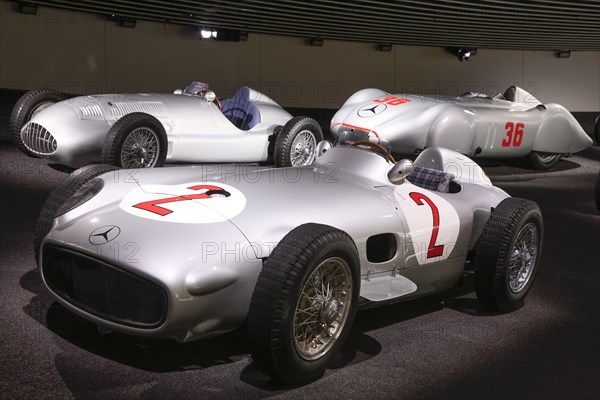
[
  {"x": 58, "y": 199},
  {"x": 543, "y": 161},
  {"x": 507, "y": 254},
  {"x": 304, "y": 303},
  {"x": 26, "y": 108},
  {"x": 297, "y": 141},
  {"x": 137, "y": 140}
]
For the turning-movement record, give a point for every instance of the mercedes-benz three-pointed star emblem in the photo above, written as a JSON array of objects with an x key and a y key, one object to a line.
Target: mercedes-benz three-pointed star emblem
[
  {"x": 104, "y": 234},
  {"x": 370, "y": 110}
]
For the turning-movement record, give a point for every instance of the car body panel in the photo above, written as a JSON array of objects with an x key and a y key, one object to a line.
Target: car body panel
[
  {"x": 207, "y": 251},
  {"x": 473, "y": 124}
]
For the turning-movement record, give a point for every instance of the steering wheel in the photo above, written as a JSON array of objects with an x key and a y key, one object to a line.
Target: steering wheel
[
  {"x": 216, "y": 97},
  {"x": 375, "y": 146}
]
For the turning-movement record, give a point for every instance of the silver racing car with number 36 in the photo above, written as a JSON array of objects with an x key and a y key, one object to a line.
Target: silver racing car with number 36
[
  {"x": 509, "y": 125},
  {"x": 146, "y": 130},
  {"x": 194, "y": 252}
]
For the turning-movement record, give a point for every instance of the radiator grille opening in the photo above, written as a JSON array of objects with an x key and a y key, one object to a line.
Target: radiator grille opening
[
  {"x": 102, "y": 289},
  {"x": 38, "y": 140}
]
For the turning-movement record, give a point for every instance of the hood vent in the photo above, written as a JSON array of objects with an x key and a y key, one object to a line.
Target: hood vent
[
  {"x": 91, "y": 111},
  {"x": 155, "y": 108}
]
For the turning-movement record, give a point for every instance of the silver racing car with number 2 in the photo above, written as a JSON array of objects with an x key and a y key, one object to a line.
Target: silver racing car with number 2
[
  {"x": 193, "y": 252},
  {"x": 509, "y": 125},
  {"x": 146, "y": 130}
]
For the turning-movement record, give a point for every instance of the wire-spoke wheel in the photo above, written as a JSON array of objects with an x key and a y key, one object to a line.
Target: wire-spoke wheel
[
  {"x": 303, "y": 149},
  {"x": 523, "y": 257},
  {"x": 296, "y": 142},
  {"x": 322, "y": 308},
  {"x": 140, "y": 149},
  {"x": 137, "y": 140},
  {"x": 304, "y": 303},
  {"x": 507, "y": 254}
]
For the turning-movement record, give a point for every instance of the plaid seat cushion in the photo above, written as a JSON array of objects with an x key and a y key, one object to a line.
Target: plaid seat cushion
[{"x": 430, "y": 179}]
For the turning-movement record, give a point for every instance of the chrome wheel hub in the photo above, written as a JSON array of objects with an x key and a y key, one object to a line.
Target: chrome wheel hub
[
  {"x": 323, "y": 308},
  {"x": 523, "y": 257},
  {"x": 303, "y": 149},
  {"x": 140, "y": 149}
]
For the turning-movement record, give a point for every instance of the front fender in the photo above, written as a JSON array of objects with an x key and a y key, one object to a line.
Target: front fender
[{"x": 453, "y": 128}]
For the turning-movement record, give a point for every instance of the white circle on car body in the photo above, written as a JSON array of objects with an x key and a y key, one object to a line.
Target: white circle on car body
[
  {"x": 432, "y": 221},
  {"x": 190, "y": 203}
]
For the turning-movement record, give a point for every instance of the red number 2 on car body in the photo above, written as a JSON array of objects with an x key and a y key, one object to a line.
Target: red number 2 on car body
[
  {"x": 433, "y": 250},
  {"x": 392, "y": 100},
  {"x": 514, "y": 134}
]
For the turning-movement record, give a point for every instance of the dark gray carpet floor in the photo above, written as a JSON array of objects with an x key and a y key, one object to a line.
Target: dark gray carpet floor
[{"x": 437, "y": 348}]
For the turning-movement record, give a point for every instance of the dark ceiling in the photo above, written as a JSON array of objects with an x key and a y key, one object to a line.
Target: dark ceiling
[{"x": 526, "y": 24}]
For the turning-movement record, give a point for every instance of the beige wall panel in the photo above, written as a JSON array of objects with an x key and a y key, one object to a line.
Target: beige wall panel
[
  {"x": 432, "y": 70},
  {"x": 161, "y": 58},
  {"x": 298, "y": 75},
  {"x": 62, "y": 49},
  {"x": 573, "y": 82}
]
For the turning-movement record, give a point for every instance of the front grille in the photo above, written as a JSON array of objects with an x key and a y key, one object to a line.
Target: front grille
[
  {"x": 102, "y": 289},
  {"x": 37, "y": 139}
]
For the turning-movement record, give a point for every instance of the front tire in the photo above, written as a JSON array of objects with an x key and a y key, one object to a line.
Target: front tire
[
  {"x": 543, "y": 161},
  {"x": 58, "y": 200},
  {"x": 507, "y": 254},
  {"x": 137, "y": 140},
  {"x": 304, "y": 303},
  {"x": 26, "y": 108},
  {"x": 297, "y": 141}
]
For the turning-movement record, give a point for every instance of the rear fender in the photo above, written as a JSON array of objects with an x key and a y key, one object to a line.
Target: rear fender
[{"x": 560, "y": 132}]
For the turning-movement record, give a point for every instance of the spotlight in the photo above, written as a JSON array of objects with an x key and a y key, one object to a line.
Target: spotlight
[
  {"x": 28, "y": 8},
  {"x": 383, "y": 47},
  {"x": 208, "y": 33},
  {"x": 562, "y": 53},
  {"x": 315, "y": 41},
  {"x": 461, "y": 53}
]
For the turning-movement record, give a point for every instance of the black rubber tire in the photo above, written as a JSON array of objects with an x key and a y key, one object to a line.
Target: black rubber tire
[
  {"x": 271, "y": 313},
  {"x": 492, "y": 253},
  {"x": 285, "y": 138},
  {"x": 597, "y": 130},
  {"x": 59, "y": 195},
  {"x": 113, "y": 144},
  {"x": 598, "y": 192},
  {"x": 536, "y": 162},
  {"x": 23, "y": 110}
]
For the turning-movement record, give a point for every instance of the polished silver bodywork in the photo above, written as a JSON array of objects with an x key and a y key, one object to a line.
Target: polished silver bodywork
[
  {"x": 207, "y": 253},
  {"x": 472, "y": 124},
  {"x": 197, "y": 131}
]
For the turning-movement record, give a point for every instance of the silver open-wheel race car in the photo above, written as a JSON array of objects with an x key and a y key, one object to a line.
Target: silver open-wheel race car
[
  {"x": 193, "y": 252},
  {"x": 509, "y": 125},
  {"x": 146, "y": 130}
]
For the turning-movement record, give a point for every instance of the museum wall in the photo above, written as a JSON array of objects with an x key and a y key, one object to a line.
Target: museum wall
[{"x": 85, "y": 53}]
